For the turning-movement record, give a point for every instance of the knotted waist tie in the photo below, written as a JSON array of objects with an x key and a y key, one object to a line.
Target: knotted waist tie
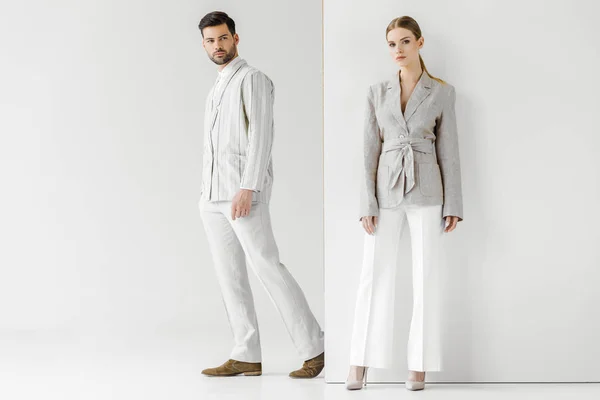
[{"x": 403, "y": 166}]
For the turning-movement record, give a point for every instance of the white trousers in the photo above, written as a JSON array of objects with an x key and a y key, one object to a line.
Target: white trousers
[
  {"x": 251, "y": 238},
  {"x": 372, "y": 336}
]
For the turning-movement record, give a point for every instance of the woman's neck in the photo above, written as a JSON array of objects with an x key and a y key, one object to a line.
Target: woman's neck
[{"x": 410, "y": 74}]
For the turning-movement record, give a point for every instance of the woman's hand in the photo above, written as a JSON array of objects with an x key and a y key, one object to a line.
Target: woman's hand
[
  {"x": 369, "y": 223},
  {"x": 451, "y": 222}
]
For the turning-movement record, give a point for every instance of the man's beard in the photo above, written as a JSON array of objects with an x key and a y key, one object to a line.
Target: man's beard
[{"x": 228, "y": 57}]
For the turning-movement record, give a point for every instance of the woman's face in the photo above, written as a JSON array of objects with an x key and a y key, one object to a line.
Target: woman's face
[{"x": 404, "y": 48}]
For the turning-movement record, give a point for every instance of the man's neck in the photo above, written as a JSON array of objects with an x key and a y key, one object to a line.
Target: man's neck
[{"x": 222, "y": 67}]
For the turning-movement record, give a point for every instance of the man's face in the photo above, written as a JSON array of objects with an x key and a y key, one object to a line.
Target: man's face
[{"x": 219, "y": 44}]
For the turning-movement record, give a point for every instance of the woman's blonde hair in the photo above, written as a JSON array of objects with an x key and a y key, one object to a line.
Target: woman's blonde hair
[{"x": 409, "y": 23}]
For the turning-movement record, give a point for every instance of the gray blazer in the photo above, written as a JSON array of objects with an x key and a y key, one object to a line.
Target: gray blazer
[
  {"x": 238, "y": 135},
  {"x": 411, "y": 158}
]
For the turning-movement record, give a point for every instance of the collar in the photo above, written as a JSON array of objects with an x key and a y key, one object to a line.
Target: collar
[
  {"x": 424, "y": 79},
  {"x": 229, "y": 68},
  {"x": 420, "y": 92}
]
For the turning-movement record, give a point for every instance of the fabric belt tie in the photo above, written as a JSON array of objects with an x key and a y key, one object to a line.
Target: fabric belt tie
[{"x": 403, "y": 166}]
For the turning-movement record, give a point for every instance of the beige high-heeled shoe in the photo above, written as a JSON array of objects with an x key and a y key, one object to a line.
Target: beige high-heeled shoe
[
  {"x": 355, "y": 385},
  {"x": 415, "y": 385}
]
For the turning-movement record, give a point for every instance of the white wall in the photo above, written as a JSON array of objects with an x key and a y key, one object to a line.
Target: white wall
[
  {"x": 100, "y": 163},
  {"x": 523, "y": 267},
  {"x": 100, "y": 144}
]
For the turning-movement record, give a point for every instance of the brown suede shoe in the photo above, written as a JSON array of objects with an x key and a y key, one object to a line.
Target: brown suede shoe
[
  {"x": 311, "y": 368},
  {"x": 233, "y": 367}
]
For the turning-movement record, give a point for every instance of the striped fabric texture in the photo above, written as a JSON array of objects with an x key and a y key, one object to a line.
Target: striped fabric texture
[{"x": 238, "y": 134}]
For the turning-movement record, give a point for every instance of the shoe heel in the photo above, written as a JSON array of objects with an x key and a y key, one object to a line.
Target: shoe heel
[
  {"x": 415, "y": 385},
  {"x": 358, "y": 384},
  {"x": 253, "y": 373}
]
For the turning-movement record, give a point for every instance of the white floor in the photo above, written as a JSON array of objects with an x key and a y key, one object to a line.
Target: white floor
[{"x": 87, "y": 368}]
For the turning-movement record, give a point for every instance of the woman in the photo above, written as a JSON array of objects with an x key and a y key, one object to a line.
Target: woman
[{"x": 412, "y": 173}]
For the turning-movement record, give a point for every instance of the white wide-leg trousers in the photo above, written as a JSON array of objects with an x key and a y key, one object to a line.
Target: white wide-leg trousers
[
  {"x": 250, "y": 238},
  {"x": 372, "y": 335}
]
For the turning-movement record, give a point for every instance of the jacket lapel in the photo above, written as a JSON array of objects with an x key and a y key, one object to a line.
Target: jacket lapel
[
  {"x": 215, "y": 108},
  {"x": 420, "y": 92},
  {"x": 208, "y": 110},
  {"x": 393, "y": 101}
]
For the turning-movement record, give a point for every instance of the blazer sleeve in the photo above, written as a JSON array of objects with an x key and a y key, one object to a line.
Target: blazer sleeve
[
  {"x": 448, "y": 157},
  {"x": 371, "y": 152},
  {"x": 258, "y": 94}
]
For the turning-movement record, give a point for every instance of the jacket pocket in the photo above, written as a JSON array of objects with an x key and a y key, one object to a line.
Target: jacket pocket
[
  {"x": 430, "y": 179},
  {"x": 236, "y": 164},
  {"x": 237, "y": 157}
]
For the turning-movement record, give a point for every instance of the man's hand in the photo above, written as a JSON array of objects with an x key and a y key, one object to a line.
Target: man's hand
[
  {"x": 369, "y": 223},
  {"x": 241, "y": 203},
  {"x": 451, "y": 222}
]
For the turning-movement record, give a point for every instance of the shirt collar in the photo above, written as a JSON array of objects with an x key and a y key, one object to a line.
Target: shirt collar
[{"x": 229, "y": 67}]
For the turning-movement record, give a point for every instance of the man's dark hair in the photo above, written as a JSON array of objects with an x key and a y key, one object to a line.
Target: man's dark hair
[{"x": 216, "y": 18}]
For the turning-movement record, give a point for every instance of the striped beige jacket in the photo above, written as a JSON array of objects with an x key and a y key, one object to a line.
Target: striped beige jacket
[{"x": 238, "y": 134}]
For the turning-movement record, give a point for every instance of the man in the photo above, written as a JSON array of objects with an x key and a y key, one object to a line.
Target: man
[{"x": 236, "y": 188}]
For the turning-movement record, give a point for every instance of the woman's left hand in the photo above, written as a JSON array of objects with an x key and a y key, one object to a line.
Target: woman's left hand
[{"x": 451, "y": 222}]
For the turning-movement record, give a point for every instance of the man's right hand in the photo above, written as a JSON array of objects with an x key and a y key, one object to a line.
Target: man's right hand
[{"x": 369, "y": 223}]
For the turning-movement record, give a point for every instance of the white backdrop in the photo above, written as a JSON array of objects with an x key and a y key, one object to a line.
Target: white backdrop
[
  {"x": 522, "y": 276},
  {"x": 103, "y": 250}
]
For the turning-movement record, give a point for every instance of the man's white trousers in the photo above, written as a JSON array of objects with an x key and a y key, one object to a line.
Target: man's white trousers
[{"x": 250, "y": 238}]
